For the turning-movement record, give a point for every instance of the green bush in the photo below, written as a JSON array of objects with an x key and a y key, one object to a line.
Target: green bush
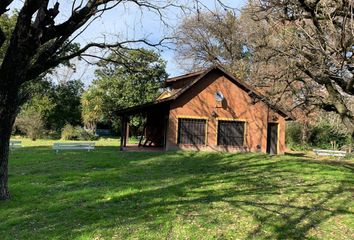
[
  {"x": 70, "y": 132},
  {"x": 293, "y": 133},
  {"x": 323, "y": 133},
  {"x": 320, "y": 135},
  {"x": 31, "y": 124},
  {"x": 294, "y": 137}
]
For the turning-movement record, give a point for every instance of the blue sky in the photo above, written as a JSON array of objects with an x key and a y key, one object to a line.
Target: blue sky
[{"x": 129, "y": 22}]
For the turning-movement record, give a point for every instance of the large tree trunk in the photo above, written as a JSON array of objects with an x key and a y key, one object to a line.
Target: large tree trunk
[
  {"x": 4, "y": 159},
  {"x": 8, "y": 111}
]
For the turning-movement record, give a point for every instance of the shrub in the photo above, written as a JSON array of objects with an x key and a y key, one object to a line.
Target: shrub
[
  {"x": 31, "y": 124},
  {"x": 293, "y": 133},
  {"x": 323, "y": 133},
  {"x": 320, "y": 135},
  {"x": 70, "y": 132}
]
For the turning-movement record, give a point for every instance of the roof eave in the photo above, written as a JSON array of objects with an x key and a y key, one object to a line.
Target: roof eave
[
  {"x": 144, "y": 107},
  {"x": 177, "y": 78}
]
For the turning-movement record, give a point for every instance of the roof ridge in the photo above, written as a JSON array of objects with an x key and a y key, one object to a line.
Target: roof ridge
[{"x": 187, "y": 75}]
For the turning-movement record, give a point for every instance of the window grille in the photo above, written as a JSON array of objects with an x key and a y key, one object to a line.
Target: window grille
[
  {"x": 191, "y": 131},
  {"x": 231, "y": 133}
]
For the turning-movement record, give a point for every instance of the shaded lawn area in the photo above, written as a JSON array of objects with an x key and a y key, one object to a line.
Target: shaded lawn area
[{"x": 107, "y": 194}]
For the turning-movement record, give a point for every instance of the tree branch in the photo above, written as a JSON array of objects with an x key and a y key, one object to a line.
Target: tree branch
[
  {"x": 77, "y": 19},
  {"x": 45, "y": 61},
  {"x": 3, "y": 6}
]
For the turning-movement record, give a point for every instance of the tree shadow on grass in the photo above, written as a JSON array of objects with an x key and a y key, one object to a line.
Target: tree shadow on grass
[{"x": 158, "y": 195}]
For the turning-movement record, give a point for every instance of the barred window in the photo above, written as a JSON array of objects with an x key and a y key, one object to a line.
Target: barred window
[
  {"x": 191, "y": 131},
  {"x": 231, "y": 133}
]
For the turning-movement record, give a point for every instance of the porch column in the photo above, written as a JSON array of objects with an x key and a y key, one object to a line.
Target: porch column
[
  {"x": 165, "y": 131},
  {"x": 126, "y": 132},
  {"x": 122, "y": 132}
]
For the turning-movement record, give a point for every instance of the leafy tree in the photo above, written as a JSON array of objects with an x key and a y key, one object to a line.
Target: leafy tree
[
  {"x": 131, "y": 77},
  {"x": 42, "y": 104},
  {"x": 92, "y": 107},
  {"x": 31, "y": 123},
  {"x": 56, "y": 104},
  {"x": 33, "y": 117},
  {"x": 67, "y": 97}
]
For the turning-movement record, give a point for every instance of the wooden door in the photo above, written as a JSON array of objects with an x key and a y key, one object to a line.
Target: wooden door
[{"x": 272, "y": 138}]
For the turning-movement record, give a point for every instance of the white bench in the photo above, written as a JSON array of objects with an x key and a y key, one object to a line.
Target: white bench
[
  {"x": 332, "y": 153},
  {"x": 73, "y": 146},
  {"x": 15, "y": 144}
]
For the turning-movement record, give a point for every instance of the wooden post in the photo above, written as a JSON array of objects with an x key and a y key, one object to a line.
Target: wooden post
[
  {"x": 142, "y": 135},
  {"x": 122, "y": 132},
  {"x": 126, "y": 132},
  {"x": 165, "y": 131}
]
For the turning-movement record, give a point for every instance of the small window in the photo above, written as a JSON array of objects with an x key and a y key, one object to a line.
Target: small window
[
  {"x": 191, "y": 131},
  {"x": 231, "y": 133}
]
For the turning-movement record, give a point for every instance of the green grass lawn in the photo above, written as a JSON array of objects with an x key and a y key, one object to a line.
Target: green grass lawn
[{"x": 107, "y": 194}]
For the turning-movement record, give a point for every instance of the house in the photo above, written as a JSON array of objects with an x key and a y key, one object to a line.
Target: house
[{"x": 210, "y": 110}]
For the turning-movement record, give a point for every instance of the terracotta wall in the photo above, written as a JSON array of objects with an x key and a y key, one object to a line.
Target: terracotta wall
[{"x": 200, "y": 102}]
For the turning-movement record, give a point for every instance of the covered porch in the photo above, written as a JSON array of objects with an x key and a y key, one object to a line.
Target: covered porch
[{"x": 153, "y": 137}]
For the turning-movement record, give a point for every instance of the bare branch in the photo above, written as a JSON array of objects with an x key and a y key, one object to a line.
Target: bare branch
[
  {"x": 46, "y": 61},
  {"x": 3, "y": 6}
]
